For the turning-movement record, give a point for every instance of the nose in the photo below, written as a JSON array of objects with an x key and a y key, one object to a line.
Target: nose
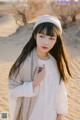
[{"x": 46, "y": 41}]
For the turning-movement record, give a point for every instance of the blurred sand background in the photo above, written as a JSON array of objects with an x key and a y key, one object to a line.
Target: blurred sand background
[{"x": 11, "y": 44}]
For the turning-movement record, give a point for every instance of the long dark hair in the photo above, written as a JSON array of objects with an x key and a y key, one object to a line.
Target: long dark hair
[{"x": 57, "y": 51}]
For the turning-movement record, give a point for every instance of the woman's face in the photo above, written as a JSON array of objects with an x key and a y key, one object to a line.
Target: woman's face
[{"x": 45, "y": 42}]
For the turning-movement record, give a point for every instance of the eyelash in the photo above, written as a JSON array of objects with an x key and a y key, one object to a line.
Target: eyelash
[
  {"x": 41, "y": 36},
  {"x": 52, "y": 39}
]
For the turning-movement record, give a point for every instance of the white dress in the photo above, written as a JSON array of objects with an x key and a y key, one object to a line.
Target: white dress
[
  {"x": 48, "y": 104},
  {"x": 45, "y": 106}
]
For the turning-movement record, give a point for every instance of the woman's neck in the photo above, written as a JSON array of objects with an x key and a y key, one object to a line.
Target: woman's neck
[{"x": 43, "y": 56}]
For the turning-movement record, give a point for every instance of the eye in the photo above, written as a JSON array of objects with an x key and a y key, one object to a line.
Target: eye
[
  {"x": 52, "y": 38},
  {"x": 41, "y": 36}
]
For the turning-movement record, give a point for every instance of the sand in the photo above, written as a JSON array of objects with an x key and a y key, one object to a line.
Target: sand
[
  {"x": 7, "y": 25},
  {"x": 11, "y": 46}
]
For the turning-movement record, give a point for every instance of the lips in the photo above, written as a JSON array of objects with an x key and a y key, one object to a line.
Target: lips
[{"x": 44, "y": 47}]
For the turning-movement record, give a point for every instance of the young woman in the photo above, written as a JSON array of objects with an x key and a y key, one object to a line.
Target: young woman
[{"x": 37, "y": 79}]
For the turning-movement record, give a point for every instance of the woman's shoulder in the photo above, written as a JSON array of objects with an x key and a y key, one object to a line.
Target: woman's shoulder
[{"x": 26, "y": 62}]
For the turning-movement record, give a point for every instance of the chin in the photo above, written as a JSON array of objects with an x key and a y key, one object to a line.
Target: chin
[{"x": 44, "y": 51}]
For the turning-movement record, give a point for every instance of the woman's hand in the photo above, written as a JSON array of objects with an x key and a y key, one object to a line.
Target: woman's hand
[
  {"x": 38, "y": 76},
  {"x": 59, "y": 117}
]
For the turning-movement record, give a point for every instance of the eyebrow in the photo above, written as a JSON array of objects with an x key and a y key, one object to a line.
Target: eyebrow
[{"x": 47, "y": 35}]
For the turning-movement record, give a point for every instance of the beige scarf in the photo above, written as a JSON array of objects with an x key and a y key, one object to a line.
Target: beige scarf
[{"x": 25, "y": 105}]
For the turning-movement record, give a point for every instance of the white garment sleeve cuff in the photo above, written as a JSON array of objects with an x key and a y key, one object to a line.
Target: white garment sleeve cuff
[{"x": 25, "y": 90}]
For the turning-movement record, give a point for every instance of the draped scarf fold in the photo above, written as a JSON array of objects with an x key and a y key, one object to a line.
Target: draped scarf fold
[{"x": 25, "y": 105}]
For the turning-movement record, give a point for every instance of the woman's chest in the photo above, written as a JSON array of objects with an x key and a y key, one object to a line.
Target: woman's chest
[{"x": 51, "y": 78}]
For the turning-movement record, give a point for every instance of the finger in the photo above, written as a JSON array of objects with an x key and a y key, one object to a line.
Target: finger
[
  {"x": 43, "y": 69},
  {"x": 43, "y": 66},
  {"x": 36, "y": 70}
]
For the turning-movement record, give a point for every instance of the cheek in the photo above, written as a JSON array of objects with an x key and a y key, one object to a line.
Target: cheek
[
  {"x": 38, "y": 42},
  {"x": 52, "y": 43}
]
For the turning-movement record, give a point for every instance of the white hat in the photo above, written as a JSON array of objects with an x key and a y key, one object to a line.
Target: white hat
[{"x": 50, "y": 19}]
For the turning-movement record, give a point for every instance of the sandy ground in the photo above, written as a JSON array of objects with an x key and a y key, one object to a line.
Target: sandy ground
[
  {"x": 7, "y": 25},
  {"x": 11, "y": 46}
]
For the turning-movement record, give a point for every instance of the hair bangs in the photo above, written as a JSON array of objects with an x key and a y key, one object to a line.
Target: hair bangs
[{"x": 47, "y": 29}]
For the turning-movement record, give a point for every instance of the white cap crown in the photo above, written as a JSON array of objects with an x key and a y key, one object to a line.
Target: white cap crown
[{"x": 50, "y": 19}]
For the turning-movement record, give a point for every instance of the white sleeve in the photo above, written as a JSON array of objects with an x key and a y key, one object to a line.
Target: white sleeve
[
  {"x": 25, "y": 90},
  {"x": 62, "y": 100},
  {"x": 21, "y": 90}
]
